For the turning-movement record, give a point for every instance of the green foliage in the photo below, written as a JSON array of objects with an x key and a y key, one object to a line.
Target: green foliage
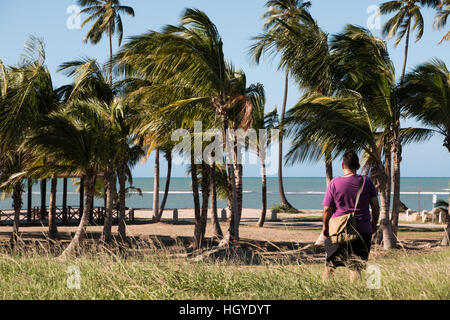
[{"x": 283, "y": 209}]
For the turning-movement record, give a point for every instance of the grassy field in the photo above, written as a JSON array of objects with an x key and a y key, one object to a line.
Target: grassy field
[{"x": 153, "y": 276}]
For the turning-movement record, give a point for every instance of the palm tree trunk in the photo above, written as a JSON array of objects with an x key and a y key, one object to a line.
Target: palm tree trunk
[
  {"x": 29, "y": 199},
  {"x": 233, "y": 232},
  {"x": 110, "y": 53},
  {"x": 283, "y": 199},
  {"x": 214, "y": 216},
  {"x": 200, "y": 224},
  {"x": 167, "y": 188},
  {"x": 388, "y": 171},
  {"x": 397, "y": 152},
  {"x": 110, "y": 180},
  {"x": 17, "y": 202},
  {"x": 408, "y": 32},
  {"x": 43, "y": 211},
  {"x": 380, "y": 179},
  {"x": 195, "y": 194},
  {"x": 75, "y": 243},
  {"x": 262, "y": 217},
  {"x": 82, "y": 182},
  {"x": 64, "y": 202},
  {"x": 52, "y": 228},
  {"x": 328, "y": 167},
  {"x": 156, "y": 188},
  {"x": 122, "y": 196}
]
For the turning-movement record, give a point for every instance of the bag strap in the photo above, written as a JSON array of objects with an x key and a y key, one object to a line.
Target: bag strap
[{"x": 358, "y": 196}]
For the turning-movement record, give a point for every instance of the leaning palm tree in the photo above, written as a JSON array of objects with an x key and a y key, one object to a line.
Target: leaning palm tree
[
  {"x": 427, "y": 98},
  {"x": 30, "y": 94},
  {"x": 345, "y": 123},
  {"x": 279, "y": 14},
  {"x": 74, "y": 140},
  {"x": 106, "y": 14},
  {"x": 188, "y": 61},
  {"x": 441, "y": 18}
]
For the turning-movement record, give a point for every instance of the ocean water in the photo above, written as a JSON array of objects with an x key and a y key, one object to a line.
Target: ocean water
[{"x": 303, "y": 193}]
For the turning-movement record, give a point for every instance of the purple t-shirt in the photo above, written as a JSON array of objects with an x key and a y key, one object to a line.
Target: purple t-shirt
[{"x": 341, "y": 196}]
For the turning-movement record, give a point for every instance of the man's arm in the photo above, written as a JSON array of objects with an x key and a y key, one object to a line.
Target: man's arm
[
  {"x": 327, "y": 213},
  {"x": 375, "y": 212}
]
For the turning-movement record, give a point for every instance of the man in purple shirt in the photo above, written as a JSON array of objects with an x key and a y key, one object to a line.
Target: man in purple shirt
[{"x": 340, "y": 199}]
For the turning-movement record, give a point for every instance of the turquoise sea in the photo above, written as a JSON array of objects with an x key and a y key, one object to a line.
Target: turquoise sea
[{"x": 303, "y": 193}]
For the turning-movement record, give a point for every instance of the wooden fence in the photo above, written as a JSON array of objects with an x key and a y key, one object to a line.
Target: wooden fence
[{"x": 63, "y": 217}]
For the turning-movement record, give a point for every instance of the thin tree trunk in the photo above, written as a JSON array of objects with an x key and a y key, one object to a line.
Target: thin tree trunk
[
  {"x": 200, "y": 223},
  {"x": 43, "y": 211},
  {"x": 388, "y": 171},
  {"x": 262, "y": 217},
  {"x": 195, "y": 193},
  {"x": 283, "y": 199},
  {"x": 110, "y": 53},
  {"x": 385, "y": 223},
  {"x": 52, "y": 228},
  {"x": 408, "y": 32},
  {"x": 167, "y": 188},
  {"x": 110, "y": 180},
  {"x": 232, "y": 230},
  {"x": 17, "y": 202},
  {"x": 81, "y": 194},
  {"x": 64, "y": 202},
  {"x": 397, "y": 153},
  {"x": 214, "y": 216},
  {"x": 29, "y": 199},
  {"x": 156, "y": 188},
  {"x": 122, "y": 191},
  {"x": 75, "y": 243},
  {"x": 328, "y": 167}
]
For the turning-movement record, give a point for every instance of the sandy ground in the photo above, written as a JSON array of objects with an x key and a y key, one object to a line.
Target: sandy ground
[{"x": 294, "y": 228}]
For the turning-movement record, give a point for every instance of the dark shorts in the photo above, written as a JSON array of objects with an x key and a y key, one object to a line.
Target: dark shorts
[{"x": 353, "y": 255}]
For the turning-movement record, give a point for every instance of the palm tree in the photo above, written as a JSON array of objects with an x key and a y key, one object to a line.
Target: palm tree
[
  {"x": 106, "y": 14},
  {"x": 407, "y": 18},
  {"x": 401, "y": 25},
  {"x": 31, "y": 95},
  {"x": 427, "y": 97},
  {"x": 188, "y": 61},
  {"x": 279, "y": 14},
  {"x": 13, "y": 163},
  {"x": 74, "y": 140},
  {"x": 441, "y": 18},
  {"x": 262, "y": 123}
]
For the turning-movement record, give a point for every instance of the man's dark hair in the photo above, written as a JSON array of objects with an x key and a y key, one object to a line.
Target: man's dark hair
[{"x": 351, "y": 160}]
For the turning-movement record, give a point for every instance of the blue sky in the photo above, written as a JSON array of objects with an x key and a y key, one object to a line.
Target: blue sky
[{"x": 238, "y": 22}]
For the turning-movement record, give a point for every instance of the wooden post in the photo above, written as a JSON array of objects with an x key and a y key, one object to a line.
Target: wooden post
[
  {"x": 64, "y": 202},
  {"x": 175, "y": 215}
]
